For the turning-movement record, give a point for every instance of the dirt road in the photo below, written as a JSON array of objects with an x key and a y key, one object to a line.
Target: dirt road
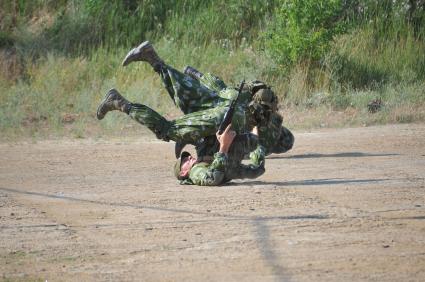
[{"x": 343, "y": 205}]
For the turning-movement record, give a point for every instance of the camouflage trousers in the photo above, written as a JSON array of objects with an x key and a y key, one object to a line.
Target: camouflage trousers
[
  {"x": 189, "y": 128},
  {"x": 192, "y": 95},
  {"x": 203, "y": 107}
]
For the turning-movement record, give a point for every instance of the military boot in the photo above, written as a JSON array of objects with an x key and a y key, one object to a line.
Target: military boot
[
  {"x": 144, "y": 52},
  {"x": 112, "y": 101}
]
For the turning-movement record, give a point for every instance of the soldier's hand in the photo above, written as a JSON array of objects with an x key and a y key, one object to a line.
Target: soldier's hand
[
  {"x": 225, "y": 139},
  {"x": 255, "y": 130}
]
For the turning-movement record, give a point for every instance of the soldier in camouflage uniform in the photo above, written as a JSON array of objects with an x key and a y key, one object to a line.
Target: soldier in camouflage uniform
[
  {"x": 243, "y": 145},
  {"x": 224, "y": 166},
  {"x": 202, "y": 94},
  {"x": 204, "y": 108},
  {"x": 193, "y": 91},
  {"x": 272, "y": 135}
]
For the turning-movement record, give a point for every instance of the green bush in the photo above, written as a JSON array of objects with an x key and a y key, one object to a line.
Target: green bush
[
  {"x": 228, "y": 22},
  {"x": 303, "y": 30}
]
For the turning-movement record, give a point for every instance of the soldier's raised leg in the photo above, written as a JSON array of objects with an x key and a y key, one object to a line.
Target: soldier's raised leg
[
  {"x": 187, "y": 93},
  {"x": 186, "y": 129},
  {"x": 143, "y": 114}
]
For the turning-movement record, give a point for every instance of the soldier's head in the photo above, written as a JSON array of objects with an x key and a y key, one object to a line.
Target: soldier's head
[
  {"x": 263, "y": 104},
  {"x": 256, "y": 85},
  {"x": 183, "y": 165}
]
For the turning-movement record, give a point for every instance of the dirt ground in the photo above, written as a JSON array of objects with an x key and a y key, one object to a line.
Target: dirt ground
[{"x": 343, "y": 205}]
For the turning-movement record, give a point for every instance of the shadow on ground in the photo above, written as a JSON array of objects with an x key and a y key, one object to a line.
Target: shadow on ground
[
  {"x": 338, "y": 155},
  {"x": 309, "y": 182},
  {"x": 166, "y": 209}
]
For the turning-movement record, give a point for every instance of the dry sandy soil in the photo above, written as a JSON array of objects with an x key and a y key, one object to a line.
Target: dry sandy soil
[{"x": 343, "y": 205}]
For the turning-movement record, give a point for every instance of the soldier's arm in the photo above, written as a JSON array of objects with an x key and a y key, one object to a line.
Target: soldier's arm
[
  {"x": 257, "y": 156},
  {"x": 213, "y": 174}
]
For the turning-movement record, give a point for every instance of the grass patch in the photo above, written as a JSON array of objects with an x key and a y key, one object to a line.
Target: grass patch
[
  {"x": 59, "y": 95},
  {"x": 57, "y": 63}
]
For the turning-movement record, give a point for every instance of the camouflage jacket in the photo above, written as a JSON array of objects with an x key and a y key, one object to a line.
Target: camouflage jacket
[
  {"x": 224, "y": 169},
  {"x": 273, "y": 136},
  {"x": 204, "y": 110}
]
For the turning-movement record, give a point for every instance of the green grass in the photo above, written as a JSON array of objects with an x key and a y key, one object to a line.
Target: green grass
[
  {"x": 57, "y": 64},
  {"x": 59, "y": 95}
]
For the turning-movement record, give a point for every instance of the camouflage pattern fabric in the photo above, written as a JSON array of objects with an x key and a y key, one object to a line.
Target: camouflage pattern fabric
[
  {"x": 204, "y": 103},
  {"x": 213, "y": 82},
  {"x": 274, "y": 136},
  {"x": 189, "y": 128},
  {"x": 269, "y": 134},
  {"x": 204, "y": 109},
  {"x": 285, "y": 142},
  {"x": 237, "y": 170},
  {"x": 224, "y": 169},
  {"x": 205, "y": 174},
  {"x": 243, "y": 144},
  {"x": 188, "y": 93},
  {"x": 192, "y": 95},
  {"x": 202, "y": 95}
]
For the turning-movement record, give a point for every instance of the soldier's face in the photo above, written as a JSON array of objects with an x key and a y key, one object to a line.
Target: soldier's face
[
  {"x": 186, "y": 165},
  {"x": 261, "y": 113}
]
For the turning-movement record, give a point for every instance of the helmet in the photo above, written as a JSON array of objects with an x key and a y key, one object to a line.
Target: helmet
[
  {"x": 256, "y": 85},
  {"x": 178, "y": 164},
  {"x": 266, "y": 97},
  {"x": 263, "y": 104}
]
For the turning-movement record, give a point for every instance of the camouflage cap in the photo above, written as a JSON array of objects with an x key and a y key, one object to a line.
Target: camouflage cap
[
  {"x": 266, "y": 97},
  {"x": 256, "y": 85},
  {"x": 178, "y": 164}
]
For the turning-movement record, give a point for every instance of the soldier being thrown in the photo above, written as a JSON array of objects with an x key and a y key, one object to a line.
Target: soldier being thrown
[
  {"x": 206, "y": 91},
  {"x": 273, "y": 136},
  {"x": 194, "y": 125},
  {"x": 197, "y": 124}
]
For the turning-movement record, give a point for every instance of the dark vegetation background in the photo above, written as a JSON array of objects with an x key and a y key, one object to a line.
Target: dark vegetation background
[{"x": 327, "y": 59}]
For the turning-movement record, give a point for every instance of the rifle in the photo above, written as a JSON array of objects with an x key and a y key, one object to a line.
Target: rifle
[{"x": 227, "y": 119}]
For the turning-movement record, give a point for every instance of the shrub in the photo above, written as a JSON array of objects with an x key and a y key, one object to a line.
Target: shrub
[{"x": 303, "y": 30}]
